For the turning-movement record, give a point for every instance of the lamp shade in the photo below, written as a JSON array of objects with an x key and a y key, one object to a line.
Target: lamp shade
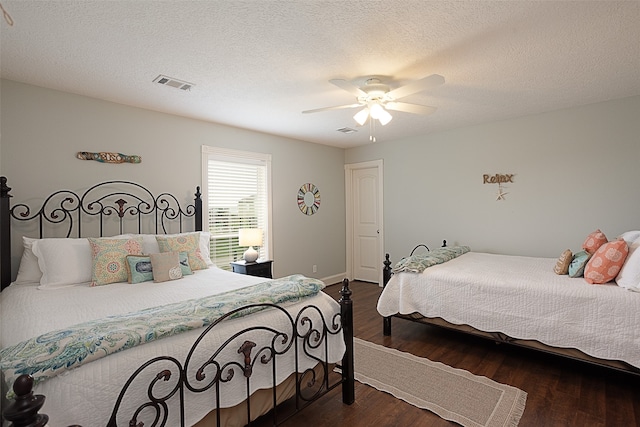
[{"x": 250, "y": 237}]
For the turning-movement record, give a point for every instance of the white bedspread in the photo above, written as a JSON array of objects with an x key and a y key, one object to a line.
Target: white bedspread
[
  {"x": 523, "y": 298},
  {"x": 27, "y": 312}
]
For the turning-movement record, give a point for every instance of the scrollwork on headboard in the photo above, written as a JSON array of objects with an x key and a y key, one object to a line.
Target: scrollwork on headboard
[{"x": 125, "y": 206}]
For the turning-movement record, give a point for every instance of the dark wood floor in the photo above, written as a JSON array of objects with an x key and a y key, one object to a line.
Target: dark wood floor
[{"x": 560, "y": 392}]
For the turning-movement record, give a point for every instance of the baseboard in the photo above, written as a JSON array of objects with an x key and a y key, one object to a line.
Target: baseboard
[{"x": 332, "y": 280}]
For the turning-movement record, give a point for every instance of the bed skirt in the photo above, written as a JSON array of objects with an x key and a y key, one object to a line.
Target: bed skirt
[
  {"x": 499, "y": 337},
  {"x": 261, "y": 403}
]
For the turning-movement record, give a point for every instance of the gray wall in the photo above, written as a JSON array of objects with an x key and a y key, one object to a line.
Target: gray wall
[
  {"x": 43, "y": 129},
  {"x": 575, "y": 170}
]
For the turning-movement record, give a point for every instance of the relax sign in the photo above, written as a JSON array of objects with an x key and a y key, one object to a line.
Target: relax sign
[{"x": 497, "y": 178}]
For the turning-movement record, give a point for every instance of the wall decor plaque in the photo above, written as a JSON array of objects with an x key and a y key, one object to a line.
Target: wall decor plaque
[
  {"x": 499, "y": 179},
  {"x": 105, "y": 157}
]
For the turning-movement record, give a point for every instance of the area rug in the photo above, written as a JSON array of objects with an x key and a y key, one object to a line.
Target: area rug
[{"x": 453, "y": 394}]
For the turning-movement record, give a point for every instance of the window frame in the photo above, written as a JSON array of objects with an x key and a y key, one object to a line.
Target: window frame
[{"x": 244, "y": 157}]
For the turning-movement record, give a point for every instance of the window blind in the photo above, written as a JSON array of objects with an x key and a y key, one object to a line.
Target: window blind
[{"x": 237, "y": 195}]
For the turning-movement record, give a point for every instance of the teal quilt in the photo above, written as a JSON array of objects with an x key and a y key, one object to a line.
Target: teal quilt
[
  {"x": 52, "y": 353},
  {"x": 418, "y": 263}
]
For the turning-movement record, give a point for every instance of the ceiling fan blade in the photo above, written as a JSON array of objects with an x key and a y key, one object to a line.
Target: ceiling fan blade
[
  {"x": 349, "y": 87},
  {"x": 410, "y": 108},
  {"x": 417, "y": 86},
  {"x": 338, "y": 107}
]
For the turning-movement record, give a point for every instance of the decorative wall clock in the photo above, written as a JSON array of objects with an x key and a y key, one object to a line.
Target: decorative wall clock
[{"x": 308, "y": 199}]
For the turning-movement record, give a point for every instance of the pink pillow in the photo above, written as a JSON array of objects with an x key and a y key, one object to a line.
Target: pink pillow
[
  {"x": 594, "y": 241},
  {"x": 606, "y": 263}
]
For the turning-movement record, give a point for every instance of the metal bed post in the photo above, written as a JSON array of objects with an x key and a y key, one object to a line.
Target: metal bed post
[
  {"x": 346, "y": 313},
  {"x": 5, "y": 234}
]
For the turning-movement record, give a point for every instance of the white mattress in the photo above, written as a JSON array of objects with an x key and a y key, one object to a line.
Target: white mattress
[
  {"x": 523, "y": 298},
  {"x": 93, "y": 388}
]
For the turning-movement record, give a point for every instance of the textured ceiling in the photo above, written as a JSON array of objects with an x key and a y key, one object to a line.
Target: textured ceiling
[{"x": 257, "y": 64}]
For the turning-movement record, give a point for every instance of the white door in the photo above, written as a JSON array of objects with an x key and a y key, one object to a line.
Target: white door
[{"x": 366, "y": 221}]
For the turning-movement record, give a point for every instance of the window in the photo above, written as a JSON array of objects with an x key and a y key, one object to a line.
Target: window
[{"x": 236, "y": 194}]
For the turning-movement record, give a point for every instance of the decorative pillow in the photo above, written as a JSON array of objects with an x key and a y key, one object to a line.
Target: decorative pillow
[
  {"x": 139, "y": 268},
  {"x": 29, "y": 270},
  {"x": 594, "y": 241},
  {"x": 579, "y": 262},
  {"x": 629, "y": 276},
  {"x": 189, "y": 243},
  {"x": 150, "y": 244},
  {"x": 605, "y": 264},
  {"x": 63, "y": 262},
  {"x": 184, "y": 263},
  {"x": 205, "y": 239},
  {"x": 562, "y": 266},
  {"x": 110, "y": 259},
  {"x": 166, "y": 266}
]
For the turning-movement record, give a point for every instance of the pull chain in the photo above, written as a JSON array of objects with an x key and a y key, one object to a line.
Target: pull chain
[{"x": 372, "y": 128}]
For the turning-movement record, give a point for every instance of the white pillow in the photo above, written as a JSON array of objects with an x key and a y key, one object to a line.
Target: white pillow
[
  {"x": 629, "y": 275},
  {"x": 63, "y": 262},
  {"x": 205, "y": 239},
  {"x": 149, "y": 244},
  {"x": 28, "y": 271},
  {"x": 630, "y": 236}
]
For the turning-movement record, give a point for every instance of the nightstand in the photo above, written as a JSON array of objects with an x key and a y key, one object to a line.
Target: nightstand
[{"x": 259, "y": 268}]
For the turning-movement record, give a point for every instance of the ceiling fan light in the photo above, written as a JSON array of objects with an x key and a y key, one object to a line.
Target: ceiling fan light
[
  {"x": 376, "y": 110},
  {"x": 384, "y": 117},
  {"x": 361, "y": 116},
  {"x": 379, "y": 113}
]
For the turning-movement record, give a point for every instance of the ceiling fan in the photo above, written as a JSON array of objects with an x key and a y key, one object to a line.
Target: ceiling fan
[{"x": 377, "y": 97}]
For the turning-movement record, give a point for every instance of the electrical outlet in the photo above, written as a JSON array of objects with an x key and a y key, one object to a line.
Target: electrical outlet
[{"x": 315, "y": 268}]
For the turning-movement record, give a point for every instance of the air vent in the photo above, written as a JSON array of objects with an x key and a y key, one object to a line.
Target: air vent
[
  {"x": 347, "y": 130},
  {"x": 170, "y": 81}
]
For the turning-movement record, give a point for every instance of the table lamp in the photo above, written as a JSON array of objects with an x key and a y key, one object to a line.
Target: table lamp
[{"x": 250, "y": 237}]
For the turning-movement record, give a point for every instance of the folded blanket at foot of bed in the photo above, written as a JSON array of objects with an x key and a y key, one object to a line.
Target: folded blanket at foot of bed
[{"x": 419, "y": 262}]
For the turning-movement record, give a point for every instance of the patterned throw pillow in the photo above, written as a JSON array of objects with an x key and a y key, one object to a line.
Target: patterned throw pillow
[
  {"x": 184, "y": 263},
  {"x": 166, "y": 266},
  {"x": 562, "y": 266},
  {"x": 139, "y": 269},
  {"x": 110, "y": 258},
  {"x": 605, "y": 264},
  {"x": 189, "y": 243},
  {"x": 579, "y": 262},
  {"x": 594, "y": 241}
]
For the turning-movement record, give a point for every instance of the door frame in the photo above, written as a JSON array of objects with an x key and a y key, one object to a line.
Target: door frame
[{"x": 348, "y": 179}]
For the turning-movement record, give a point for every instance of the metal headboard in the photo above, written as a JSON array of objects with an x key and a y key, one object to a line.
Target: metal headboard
[{"x": 124, "y": 205}]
